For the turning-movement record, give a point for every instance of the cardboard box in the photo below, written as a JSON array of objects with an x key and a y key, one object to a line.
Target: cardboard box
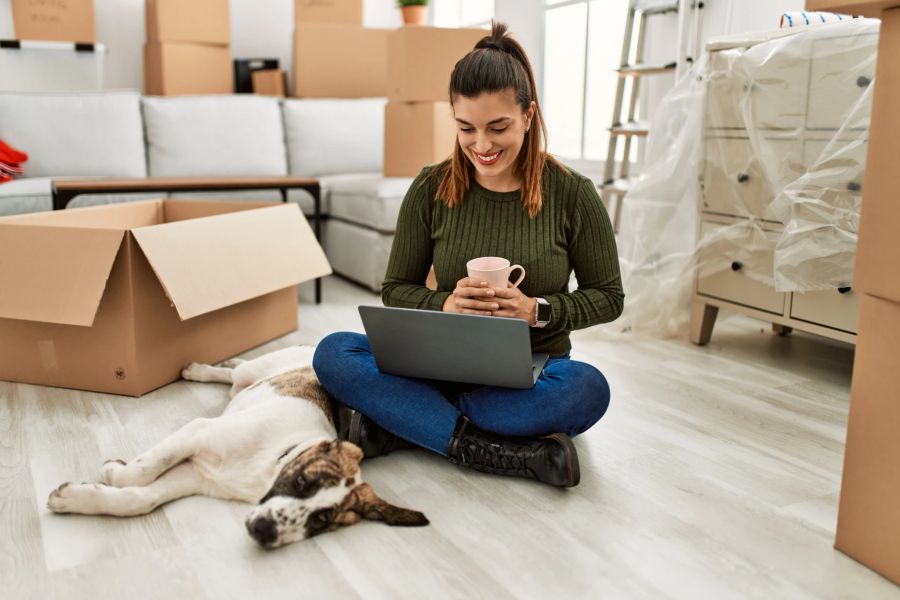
[
  {"x": 868, "y": 527},
  {"x": 876, "y": 269},
  {"x": 120, "y": 298},
  {"x": 415, "y": 135},
  {"x": 174, "y": 68},
  {"x": 334, "y": 12},
  {"x": 69, "y": 21},
  {"x": 420, "y": 60},
  {"x": 868, "y": 8},
  {"x": 243, "y": 72},
  {"x": 339, "y": 61},
  {"x": 207, "y": 21},
  {"x": 270, "y": 82}
]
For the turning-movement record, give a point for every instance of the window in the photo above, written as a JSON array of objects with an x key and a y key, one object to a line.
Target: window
[
  {"x": 462, "y": 13},
  {"x": 582, "y": 49}
]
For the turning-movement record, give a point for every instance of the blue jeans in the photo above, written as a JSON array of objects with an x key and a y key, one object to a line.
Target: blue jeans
[{"x": 569, "y": 397}]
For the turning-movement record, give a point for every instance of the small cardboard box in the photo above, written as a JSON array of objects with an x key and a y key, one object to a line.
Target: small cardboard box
[
  {"x": 206, "y": 21},
  {"x": 420, "y": 60},
  {"x": 868, "y": 527},
  {"x": 175, "y": 68},
  {"x": 876, "y": 270},
  {"x": 269, "y": 82},
  {"x": 69, "y": 21},
  {"x": 120, "y": 298},
  {"x": 334, "y": 12},
  {"x": 416, "y": 134},
  {"x": 339, "y": 61}
]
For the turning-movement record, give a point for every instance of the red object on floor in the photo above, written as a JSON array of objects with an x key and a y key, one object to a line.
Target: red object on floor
[{"x": 10, "y": 160}]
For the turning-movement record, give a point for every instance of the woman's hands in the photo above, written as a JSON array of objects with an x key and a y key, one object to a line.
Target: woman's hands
[{"x": 475, "y": 297}]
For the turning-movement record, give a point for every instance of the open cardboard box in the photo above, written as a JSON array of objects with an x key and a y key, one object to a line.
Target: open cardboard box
[{"x": 120, "y": 298}]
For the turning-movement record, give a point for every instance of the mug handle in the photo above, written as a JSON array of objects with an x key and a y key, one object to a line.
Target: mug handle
[{"x": 521, "y": 277}]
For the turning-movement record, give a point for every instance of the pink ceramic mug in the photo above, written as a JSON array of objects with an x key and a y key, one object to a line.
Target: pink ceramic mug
[{"x": 494, "y": 270}]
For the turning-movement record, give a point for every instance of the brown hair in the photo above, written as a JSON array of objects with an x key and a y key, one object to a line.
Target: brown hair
[{"x": 496, "y": 64}]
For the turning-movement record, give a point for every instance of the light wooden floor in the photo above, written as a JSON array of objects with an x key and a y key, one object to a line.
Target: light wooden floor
[{"x": 715, "y": 474}]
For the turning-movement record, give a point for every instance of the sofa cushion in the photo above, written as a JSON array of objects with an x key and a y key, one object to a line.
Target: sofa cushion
[
  {"x": 329, "y": 136},
  {"x": 32, "y": 194},
  {"x": 80, "y": 134},
  {"x": 358, "y": 253},
  {"x": 236, "y": 135},
  {"x": 367, "y": 199}
]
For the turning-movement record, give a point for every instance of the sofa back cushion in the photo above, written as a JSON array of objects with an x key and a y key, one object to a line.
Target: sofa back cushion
[
  {"x": 78, "y": 134},
  {"x": 331, "y": 136},
  {"x": 211, "y": 136}
]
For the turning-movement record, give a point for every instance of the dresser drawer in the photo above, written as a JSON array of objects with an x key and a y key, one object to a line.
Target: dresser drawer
[
  {"x": 722, "y": 272},
  {"x": 841, "y": 71},
  {"x": 734, "y": 182},
  {"x": 829, "y": 308},
  {"x": 724, "y": 92},
  {"x": 838, "y": 177}
]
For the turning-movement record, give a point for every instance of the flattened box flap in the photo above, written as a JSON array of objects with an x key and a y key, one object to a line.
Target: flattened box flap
[
  {"x": 212, "y": 262},
  {"x": 55, "y": 274}
]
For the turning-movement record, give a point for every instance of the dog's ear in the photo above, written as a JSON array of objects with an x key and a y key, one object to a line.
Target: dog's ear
[{"x": 363, "y": 502}]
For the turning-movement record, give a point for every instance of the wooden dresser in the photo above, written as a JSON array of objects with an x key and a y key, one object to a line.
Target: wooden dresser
[{"x": 796, "y": 97}]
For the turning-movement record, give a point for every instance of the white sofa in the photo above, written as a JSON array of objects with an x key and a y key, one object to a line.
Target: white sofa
[{"x": 122, "y": 134}]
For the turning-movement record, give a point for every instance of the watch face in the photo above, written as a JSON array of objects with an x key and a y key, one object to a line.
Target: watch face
[{"x": 543, "y": 312}]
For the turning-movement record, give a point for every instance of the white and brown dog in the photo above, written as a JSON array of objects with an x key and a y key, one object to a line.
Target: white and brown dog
[{"x": 275, "y": 444}]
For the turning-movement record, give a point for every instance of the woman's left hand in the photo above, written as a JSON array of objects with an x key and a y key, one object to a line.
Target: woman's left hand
[{"x": 514, "y": 304}]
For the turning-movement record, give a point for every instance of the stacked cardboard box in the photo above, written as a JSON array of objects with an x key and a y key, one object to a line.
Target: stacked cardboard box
[
  {"x": 868, "y": 526},
  {"x": 418, "y": 120},
  {"x": 269, "y": 82},
  {"x": 188, "y": 49},
  {"x": 70, "y": 21},
  {"x": 334, "y": 55}
]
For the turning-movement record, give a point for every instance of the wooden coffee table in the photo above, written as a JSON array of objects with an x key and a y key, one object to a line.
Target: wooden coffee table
[{"x": 64, "y": 190}]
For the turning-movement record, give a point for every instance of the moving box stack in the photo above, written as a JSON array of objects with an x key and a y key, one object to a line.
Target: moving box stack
[
  {"x": 188, "y": 49},
  {"x": 418, "y": 122},
  {"x": 868, "y": 527},
  {"x": 334, "y": 55},
  {"x": 70, "y": 21}
]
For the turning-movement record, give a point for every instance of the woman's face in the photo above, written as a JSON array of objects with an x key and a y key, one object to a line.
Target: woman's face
[{"x": 491, "y": 129}]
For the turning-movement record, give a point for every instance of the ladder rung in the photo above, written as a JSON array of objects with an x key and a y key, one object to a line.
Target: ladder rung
[
  {"x": 656, "y": 7},
  {"x": 617, "y": 187},
  {"x": 639, "y": 129},
  {"x": 645, "y": 69}
]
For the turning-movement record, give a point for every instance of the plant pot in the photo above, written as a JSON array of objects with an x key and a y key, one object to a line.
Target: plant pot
[{"x": 415, "y": 15}]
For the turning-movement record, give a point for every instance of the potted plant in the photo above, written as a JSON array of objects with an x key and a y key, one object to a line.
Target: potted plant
[{"x": 415, "y": 12}]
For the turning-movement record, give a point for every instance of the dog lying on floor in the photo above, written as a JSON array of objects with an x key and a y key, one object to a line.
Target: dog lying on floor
[{"x": 275, "y": 444}]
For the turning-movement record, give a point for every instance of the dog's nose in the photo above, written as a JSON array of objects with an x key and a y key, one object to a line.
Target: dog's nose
[{"x": 263, "y": 530}]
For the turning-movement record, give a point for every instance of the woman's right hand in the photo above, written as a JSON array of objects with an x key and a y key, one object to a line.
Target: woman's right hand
[{"x": 471, "y": 297}]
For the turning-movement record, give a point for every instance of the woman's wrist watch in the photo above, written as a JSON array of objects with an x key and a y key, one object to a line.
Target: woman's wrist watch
[{"x": 542, "y": 311}]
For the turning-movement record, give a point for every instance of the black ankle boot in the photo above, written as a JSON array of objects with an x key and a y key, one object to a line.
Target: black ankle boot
[
  {"x": 372, "y": 439},
  {"x": 551, "y": 459}
]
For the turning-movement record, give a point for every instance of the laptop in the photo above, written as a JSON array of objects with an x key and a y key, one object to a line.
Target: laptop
[{"x": 452, "y": 347}]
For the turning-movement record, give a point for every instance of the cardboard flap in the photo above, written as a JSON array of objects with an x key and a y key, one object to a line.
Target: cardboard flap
[
  {"x": 209, "y": 263},
  {"x": 55, "y": 274}
]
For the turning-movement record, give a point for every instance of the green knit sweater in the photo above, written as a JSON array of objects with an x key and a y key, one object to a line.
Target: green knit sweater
[{"x": 571, "y": 232}]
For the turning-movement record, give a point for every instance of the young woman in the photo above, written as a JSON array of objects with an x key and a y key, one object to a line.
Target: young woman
[{"x": 500, "y": 194}]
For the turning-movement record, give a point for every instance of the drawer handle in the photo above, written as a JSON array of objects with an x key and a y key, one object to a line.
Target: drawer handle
[
  {"x": 863, "y": 81},
  {"x": 743, "y": 178},
  {"x": 854, "y": 187},
  {"x": 736, "y": 266},
  {"x": 844, "y": 290}
]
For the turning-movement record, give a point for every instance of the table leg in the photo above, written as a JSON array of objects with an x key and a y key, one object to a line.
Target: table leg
[{"x": 317, "y": 229}]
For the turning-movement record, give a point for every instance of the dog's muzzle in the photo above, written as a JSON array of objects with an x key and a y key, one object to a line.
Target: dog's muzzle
[{"x": 263, "y": 530}]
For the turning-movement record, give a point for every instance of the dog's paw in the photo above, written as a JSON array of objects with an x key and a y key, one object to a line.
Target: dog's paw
[
  {"x": 110, "y": 472},
  {"x": 73, "y": 497},
  {"x": 232, "y": 363},
  {"x": 194, "y": 372}
]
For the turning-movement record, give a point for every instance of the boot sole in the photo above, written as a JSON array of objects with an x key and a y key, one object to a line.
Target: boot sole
[{"x": 571, "y": 458}]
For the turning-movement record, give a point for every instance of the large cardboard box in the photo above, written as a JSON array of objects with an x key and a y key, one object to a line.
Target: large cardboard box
[
  {"x": 269, "y": 82},
  {"x": 69, "y": 21},
  {"x": 868, "y": 527},
  {"x": 175, "y": 68},
  {"x": 120, "y": 298},
  {"x": 339, "y": 61},
  {"x": 416, "y": 134},
  {"x": 206, "y": 21},
  {"x": 335, "y": 12},
  {"x": 877, "y": 267},
  {"x": 420, "y": 60}
]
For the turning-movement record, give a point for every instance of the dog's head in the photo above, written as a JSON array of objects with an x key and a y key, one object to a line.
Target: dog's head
[{"x": 319, "y": 490}]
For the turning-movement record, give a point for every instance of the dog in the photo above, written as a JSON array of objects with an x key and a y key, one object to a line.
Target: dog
[{"x": 275, "y": 445}]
